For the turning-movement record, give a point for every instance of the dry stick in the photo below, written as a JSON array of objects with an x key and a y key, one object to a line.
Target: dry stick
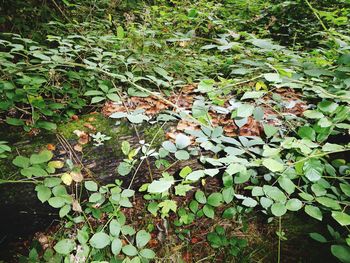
[{"x": 136, "y": 131}]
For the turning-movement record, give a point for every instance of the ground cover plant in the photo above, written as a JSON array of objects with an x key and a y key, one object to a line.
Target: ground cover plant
[{"x": 176, "y": 131}]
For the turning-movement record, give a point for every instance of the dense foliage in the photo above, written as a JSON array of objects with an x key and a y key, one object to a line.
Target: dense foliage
[{"x": 266, "y": 112}]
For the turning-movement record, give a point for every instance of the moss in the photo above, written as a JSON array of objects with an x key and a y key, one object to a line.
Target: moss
[{"x": 154, "y": 131}]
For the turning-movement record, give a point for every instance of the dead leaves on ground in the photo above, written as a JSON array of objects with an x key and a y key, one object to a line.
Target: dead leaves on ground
[{"x": 289, "y": 103}]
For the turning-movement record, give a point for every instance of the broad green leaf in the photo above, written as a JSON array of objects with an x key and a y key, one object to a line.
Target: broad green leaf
[
  {"x": 313, "y": 169},
  {"x": 215, "y": 199},
  {"x": 313, "y": 114},
  {"x": 318, "y": 237},
  {"x": 129, "y": 250},
  {"x": 43, "y": 192},
  {"x": 100, "y": 240},
  {"x": 147, "y": 253},
  {"x": 328, "y": 202},
  {"x": 185, "y": 171},
  {"x": 182, "y": 141},
  {"x": 182, "y": 155},
  {"x": 65, "y": 246},
  {"x": 159, "y": 186},
  {"x": 200, "y": 197},
  {"x": 195, "y": 175},
  {"x": 249, "y": 202},
  {"x": 142, "y": 238},
  {"x": 273, "y": 165},
  {"x": 21, "y": 161},
  {"x": 116, "y": 246},
  {"x": 182, "y": 189},
  {"x": 270, "y": 130},
  {"x": 314, "y": 212},
  {"x": 114, "y": 228},
  {"x": 286, "y": 184},
  {"x": 91, "y": 186},
  {"x": 208, "y": 211},
  {"x": 294, "y": 204},
  {"x": 57, "y": 201},
  {"x": 278, "y": 209},
  {"x": 341, "y": 252},
  {"x": 342, "y": 218},
  {"x": 245, "y": 110},
  {"x": 42, "y": 157}
]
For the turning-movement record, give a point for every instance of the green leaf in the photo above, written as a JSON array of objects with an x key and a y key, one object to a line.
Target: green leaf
[
  {"x": 274, "y": 193},
  {"x": 100, "y": 240},
  {"x": 116, "y": 246},
  {"x": 43, "y": 192},
  {"x": 91, "y": 186},
  {"x": 313, "y": 114},
  {"x": 249, "y": 202},
  {"x": 208, "y": 211},
  {"x": 342, "y": 218},
  {"x": 129, "y": 250},
  {"x": 142, "y": 238},
  {"x": 21, "y": 161},
  {"x": 229, "y": 213},
  {"x": 294, "y": 204},
  {"x": 328, "y": 202},
  {"x": 182, "y": 141},
  {"x": 318, "y": 237},
  {"x": 50, "y": 126},
  {"x": 252, "y": 95},
  {"x": 332, "y": 147},
  {"x": 169, "y": 146},
  {"x": 15, "y": 122},
  {"x": 195, "y": 175},
  {"x": 245, "y": 110},
  {"x": 215, "y": 199},
  {"x": 345, "y": 188},
  {"x": 307, "y": 132},
  {"x": 64, "y": 246},
  {"x": 200, "y": 197},
  {"x": 278, "y": 209},
  {"x": 286, "y": 184},
  {"x": 168, "y": 205},
  {"x": 273, "y": 165},
  {"x": 314, "y": 212},
  {"x": 113, "y": 97},
  {"x": 341, "y": 252},
  {"x": 182, "y": 189},
  {"x": 270, "y": 130},
  {"x": 185, "y": 171},
  {"x": 125, "y": 147},
  {"x": 313, "y": 169},
  {"x": 228, "y": 194},
  {"x": 124, "y": 168},
  {"x": 160, "y": 186},
  {"x": 93, "y": 93},
  {"x": 97, "y": 99},
  {"x": 120, "y": 32},
  {"x": 193, "y": 206},
  {"x": 182, "y": 155},
  {"x": 114, "y": 227},
  {"x": 42, "y": 157},
  {"x": 147, "y": 253},
  {"x": 206, "y": 85},
  {"x": 64, "y": 211},
  {"x": 57, "y": 201},
  {"x": 95, "y": 197},
  {"x": 273, "y": 77},
  {"x": 153, "y": 208},
  {"x": 327, "y": 106}
]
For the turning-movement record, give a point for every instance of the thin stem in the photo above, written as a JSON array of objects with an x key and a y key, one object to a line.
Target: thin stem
[{"x": 279, "y": 239}]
